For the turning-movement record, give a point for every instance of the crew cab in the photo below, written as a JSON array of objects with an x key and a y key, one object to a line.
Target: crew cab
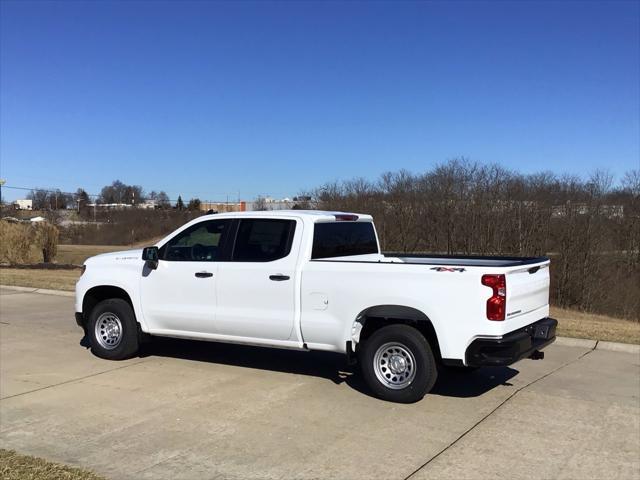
[{"x": 315, "y": 280}]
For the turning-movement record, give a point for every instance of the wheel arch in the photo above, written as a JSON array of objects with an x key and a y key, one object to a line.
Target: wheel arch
[
  {"x": 96, "y": 294},
  {"x": 372, "y": 318}
]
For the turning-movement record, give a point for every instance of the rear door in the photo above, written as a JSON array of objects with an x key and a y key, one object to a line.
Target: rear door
[{"x": 256, "y": 289}]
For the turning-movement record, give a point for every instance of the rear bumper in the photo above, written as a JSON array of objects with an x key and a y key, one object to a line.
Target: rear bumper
[{"x": 514, "y": 346}]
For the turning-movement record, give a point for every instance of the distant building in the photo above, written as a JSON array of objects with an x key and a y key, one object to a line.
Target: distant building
[
  {"x": 609, "y": 211},
  {"x": 23, "y": 204},
  {"x": 109, "y": 206},
  {"x": 268, "y": 203},
  {"x": 612, "y": 211},
  {"x": 148, "y": 205},
  {"x": 221, "y": 207}
]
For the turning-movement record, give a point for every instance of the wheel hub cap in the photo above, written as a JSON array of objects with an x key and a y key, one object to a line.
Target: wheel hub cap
[
  {"x": 394, "y": 365},
  {"x": 108, "y": 330},
  {"x": 397, "y": 364}
]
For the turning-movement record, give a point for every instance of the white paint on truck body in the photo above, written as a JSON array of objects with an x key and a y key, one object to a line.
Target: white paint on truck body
[{"x": 317, "y": 305}]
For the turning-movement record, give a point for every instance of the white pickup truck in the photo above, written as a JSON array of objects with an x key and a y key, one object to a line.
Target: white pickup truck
[{"x": 313, "y": 280}]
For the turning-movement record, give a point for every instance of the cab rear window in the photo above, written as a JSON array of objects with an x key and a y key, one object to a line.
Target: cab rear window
[{"x": 342, "y": 239}]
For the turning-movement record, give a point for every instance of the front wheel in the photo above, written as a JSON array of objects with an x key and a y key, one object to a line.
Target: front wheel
[
  {"x": 397, "y": 364},
  {"x": 113, "y": 330}
]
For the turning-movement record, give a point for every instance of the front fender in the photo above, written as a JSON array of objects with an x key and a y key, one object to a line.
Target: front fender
[{"x": 125, "y": 277}]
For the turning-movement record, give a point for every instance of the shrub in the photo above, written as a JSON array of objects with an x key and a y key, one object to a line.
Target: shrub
[
  {"x": 47, "y": 239},
  {"x": 17, "y": 243},
  {"x": 27, "y": 243}
]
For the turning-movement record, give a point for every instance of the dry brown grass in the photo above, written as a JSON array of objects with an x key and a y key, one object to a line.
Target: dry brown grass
[
  {"x": 28, "y": 242},
  {"x": 572, "y": 323},
  {"x": 40, "y": 278},
  {"x": 14, "y": 466},
  {"x": 77, "y": 254},
  {"x": 18, "y": 243}
]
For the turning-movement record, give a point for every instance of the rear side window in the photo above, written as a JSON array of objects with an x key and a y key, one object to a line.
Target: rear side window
[
  {"x": 265, "y": 240},
  {"x": 341, "y": 239}
]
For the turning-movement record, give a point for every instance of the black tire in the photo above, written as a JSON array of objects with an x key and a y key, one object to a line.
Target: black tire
[
  {"x": 425, "y": 370},
  {"x": 127, "y": 345}
]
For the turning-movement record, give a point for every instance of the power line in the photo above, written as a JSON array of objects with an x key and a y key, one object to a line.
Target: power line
[{"x": 47, "y": 190}]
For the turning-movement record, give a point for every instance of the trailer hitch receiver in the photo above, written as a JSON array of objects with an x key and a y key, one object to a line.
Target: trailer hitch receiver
[{"x": 537, "y": 355}]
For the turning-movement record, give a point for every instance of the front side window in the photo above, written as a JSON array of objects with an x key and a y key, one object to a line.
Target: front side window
[
  {"x": 341, "y": 239},
  {"x": 201, "y": 242},
  {"x": 263, "y": 240}
]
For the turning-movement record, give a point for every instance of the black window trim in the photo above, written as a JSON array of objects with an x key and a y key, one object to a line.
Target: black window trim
[{"x": 236, "y": 229}]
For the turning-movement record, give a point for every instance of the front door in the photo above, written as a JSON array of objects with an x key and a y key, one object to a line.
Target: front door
[
  {"x": 256, "y": 289},
  {"x": 180, "y": 295}
]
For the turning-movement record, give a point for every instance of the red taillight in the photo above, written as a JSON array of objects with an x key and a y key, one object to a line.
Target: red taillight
[
  {"x": 343, "y": 217},
  {"x": 496, "y": 305}
]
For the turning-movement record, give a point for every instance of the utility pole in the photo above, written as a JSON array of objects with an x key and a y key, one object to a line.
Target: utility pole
[{"x": 2, "y": 182}]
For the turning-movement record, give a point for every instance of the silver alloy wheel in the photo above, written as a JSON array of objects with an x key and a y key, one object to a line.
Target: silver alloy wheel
[
  {"x": 108, "y": 330},
  {"x": 395, "y": 365}
]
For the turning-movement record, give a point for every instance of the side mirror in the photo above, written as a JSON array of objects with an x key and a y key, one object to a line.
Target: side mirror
[{"x": 150, "y": 255}]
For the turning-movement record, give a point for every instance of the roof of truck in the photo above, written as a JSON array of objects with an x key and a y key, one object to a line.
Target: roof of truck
[{"x": 313, "y": 215}]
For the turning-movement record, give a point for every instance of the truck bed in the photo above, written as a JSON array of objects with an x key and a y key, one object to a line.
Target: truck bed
[{"x": 463, "y": 260}]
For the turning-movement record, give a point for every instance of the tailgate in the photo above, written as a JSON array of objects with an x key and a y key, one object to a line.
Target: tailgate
[{"x": 527, "y": 289}]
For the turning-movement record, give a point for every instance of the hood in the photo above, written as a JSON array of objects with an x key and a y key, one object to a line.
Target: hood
[{"x": 121, "y": 256}]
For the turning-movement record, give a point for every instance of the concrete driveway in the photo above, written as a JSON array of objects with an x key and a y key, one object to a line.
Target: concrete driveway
[{"x": 202, "y": 410}]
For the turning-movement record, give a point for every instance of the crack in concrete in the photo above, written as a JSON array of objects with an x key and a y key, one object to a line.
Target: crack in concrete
[
  {"x": 469, "y": 430},
  {"x": 72, "y": 380}
]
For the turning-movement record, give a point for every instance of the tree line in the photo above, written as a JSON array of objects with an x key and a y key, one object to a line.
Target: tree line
[
  {"x": 589, "y": 227},
  {"x": 117, "y": 192}
]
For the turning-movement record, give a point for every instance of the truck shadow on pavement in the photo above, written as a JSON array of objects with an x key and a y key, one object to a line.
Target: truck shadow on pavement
[{"x": 331, "y": 366}]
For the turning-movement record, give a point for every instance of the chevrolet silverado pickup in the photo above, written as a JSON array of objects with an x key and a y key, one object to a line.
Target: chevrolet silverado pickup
[{"x": 314, "y": 280}]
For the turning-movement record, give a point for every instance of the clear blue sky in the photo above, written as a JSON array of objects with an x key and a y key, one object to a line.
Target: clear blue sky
[{"x": 208, "y": 99}]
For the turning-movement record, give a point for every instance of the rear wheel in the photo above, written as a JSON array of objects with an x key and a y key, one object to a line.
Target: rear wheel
[
  {"x": 113, "y": 330},
  {"x": 397, "y": 364}
]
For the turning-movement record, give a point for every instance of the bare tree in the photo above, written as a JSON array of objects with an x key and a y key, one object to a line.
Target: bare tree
[
  {"x": 40, "y": 199},
  {"x": 260, "y": 204},
  {"x": 194, "y": 204},
  {"x": 590, "y": 229},
  {"x": 162, "y": 200}
]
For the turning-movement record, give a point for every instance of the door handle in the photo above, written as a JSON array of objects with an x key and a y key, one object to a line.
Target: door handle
[
  {"x": 204, "y": 274},
  {"x": 279, "y": 277}
]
